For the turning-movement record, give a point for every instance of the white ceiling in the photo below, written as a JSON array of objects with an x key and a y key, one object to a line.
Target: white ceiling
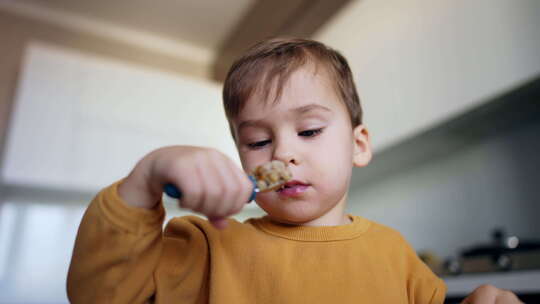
[{"x": 202, "y": 23}]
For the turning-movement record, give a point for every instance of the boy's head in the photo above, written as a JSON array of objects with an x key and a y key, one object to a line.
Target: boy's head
[
  {"x": 294, "y": 100},
  {"x": 267, "y": 66}
]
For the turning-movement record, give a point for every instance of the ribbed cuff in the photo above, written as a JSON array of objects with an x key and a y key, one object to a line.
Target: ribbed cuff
[{"x": 132, "y": 219}]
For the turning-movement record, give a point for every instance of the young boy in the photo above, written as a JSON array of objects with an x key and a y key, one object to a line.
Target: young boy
[{"x": 291, "y": 100}]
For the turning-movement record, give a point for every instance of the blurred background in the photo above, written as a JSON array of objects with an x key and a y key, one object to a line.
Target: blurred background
[{"x": 451, "y": 92}]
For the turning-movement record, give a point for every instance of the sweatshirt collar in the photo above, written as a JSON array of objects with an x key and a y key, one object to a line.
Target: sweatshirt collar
[{"x": 352, "y": 230}]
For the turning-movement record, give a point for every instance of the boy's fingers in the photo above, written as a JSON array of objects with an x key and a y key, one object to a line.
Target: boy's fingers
[
  {"x": 192, "y": 189},
  {"x": 245, "y": 186},
  {"x": 219, "y": 223},
  {"x": 211, "y": 184},
  {"x": 488, "y": 294},
  {"x": 226, "y": 196}
]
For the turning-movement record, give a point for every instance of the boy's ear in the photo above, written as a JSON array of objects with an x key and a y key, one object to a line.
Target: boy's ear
[{"x": 362, "y": 146}]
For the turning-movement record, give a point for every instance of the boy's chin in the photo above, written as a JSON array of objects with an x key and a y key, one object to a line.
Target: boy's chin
[{"x": 294, "y": 212}]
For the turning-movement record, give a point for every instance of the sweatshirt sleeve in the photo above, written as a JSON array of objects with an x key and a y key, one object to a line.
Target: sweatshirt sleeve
[
  {"x": 430, "y": 290},
  {"x": 116, "y": 252},
  {"x": 423, "y": 285}
]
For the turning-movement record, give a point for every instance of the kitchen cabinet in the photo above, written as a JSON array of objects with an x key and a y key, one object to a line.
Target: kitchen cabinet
[
  {"x": 81, "y": 122},
  {"x": 516, "y": 109},
  {"x": 419, "y": 63}
]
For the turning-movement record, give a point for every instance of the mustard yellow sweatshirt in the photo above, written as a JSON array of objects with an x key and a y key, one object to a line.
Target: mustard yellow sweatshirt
[{"x": 121, "y": 255}]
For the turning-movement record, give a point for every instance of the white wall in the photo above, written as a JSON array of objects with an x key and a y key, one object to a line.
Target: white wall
[
  {"x": 36, "y": 242},
  {"x": 455, "y": 200},
  {"x": 417, "y": 62},
  {"x": 80, "y": 122}
]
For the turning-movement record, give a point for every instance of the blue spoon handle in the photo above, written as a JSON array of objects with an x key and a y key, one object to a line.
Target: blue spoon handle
[{"x": 172, "y": 191}]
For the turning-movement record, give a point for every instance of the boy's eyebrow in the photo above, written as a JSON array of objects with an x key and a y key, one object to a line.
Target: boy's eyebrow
[
  {"x": 300, "y": 110},
  {"x": 311, "y": 107}
]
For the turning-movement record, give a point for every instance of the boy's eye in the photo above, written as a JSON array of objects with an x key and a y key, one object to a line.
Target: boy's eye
[
  {"x": 258, "y": 144},
  {"x": 310, "y": 133}
]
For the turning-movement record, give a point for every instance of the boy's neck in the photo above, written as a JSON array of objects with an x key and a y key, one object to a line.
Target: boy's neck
[
  {"x": 323, "y": 221},
  {"x": 334, "y": 217}
]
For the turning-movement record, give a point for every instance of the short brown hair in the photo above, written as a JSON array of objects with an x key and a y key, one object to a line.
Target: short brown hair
[{"x": 271, "y": 62}]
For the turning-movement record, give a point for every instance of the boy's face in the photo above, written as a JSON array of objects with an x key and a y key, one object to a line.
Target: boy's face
[{"x": 309, "y": 129}]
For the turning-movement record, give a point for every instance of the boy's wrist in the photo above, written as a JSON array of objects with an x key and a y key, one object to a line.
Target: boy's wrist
[
  {"x": 130, "y": 218},
  {"x": 136, "y": 193}
]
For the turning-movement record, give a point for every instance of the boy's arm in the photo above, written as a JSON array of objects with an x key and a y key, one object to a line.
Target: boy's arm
[
  {"x": 116, "y": 252},
  {"x": 426, "y": 288},
  {"x": 423, "y": 286},
  {"x": 120, "y": 239}
]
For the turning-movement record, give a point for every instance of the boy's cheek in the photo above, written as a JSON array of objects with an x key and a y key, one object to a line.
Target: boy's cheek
[
  {"x": 245, "y": 165},
  {"x": 248, "y": 162}
]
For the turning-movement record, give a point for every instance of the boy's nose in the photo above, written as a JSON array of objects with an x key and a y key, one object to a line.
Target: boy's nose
[{"x": 285, "y": 153}]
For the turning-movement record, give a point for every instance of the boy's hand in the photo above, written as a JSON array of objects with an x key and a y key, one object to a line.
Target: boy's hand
[
  {"x": 488, "y": 294},
  {"x": 211, "y": 183}
]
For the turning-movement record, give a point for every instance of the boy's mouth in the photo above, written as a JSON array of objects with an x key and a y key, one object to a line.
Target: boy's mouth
[{"x": 293, "y": 188}]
